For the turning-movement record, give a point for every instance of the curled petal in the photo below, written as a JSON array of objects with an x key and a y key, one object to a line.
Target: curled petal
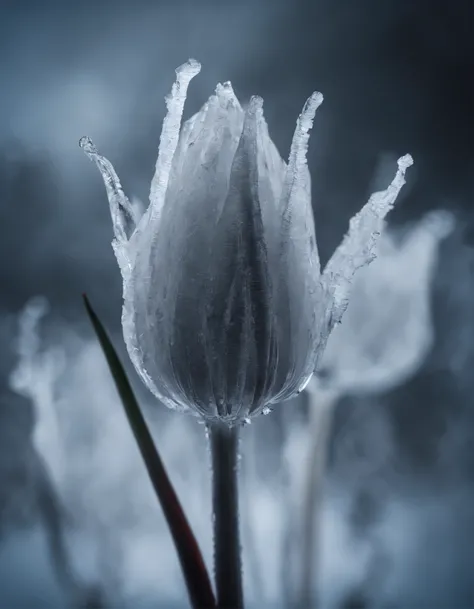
[
  {"x": 358, "y": 247},
  {"x": 124, "y": 214}
]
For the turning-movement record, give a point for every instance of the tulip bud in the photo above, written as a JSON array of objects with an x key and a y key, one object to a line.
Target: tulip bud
[{"x": 225, "y": 307}]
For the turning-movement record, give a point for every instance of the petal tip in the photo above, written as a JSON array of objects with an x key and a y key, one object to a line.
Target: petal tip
[
  {"x": 225, "y": 91},
  {"x": 405, "y": 161},
  {"x": 317, "y": 98},
  {"x": 255, "y": 103},
  {"x": 312, "y": 104},
  {"x": 305, "y": 119},
  {"x": 87, "y": 145},
  {"x": 192, "y": 67}
]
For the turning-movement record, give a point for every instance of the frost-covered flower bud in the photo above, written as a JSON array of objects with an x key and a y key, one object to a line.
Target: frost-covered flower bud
[{"x": 225, "y": 307}]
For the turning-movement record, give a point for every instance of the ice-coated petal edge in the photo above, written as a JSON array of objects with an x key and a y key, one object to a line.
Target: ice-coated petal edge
[
  {"x": 297, "y": 165},
  {"x": 121, "y": 210},
  {"x": 170, "y": 132},
  {"x": 299, "y": 148},
  {"x": 358, "y": 247}
]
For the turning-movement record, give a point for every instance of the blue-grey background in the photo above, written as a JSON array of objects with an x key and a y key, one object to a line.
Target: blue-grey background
[{"x": 397, "y": 77}]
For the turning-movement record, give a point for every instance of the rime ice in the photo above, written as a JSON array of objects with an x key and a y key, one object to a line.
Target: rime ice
[{"x": 225, "y": 307}]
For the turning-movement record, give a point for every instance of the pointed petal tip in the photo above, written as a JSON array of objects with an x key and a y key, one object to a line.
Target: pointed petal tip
[
  {"x": 405, "y": 161},
  {"x": 255, "y": 103},
  {"x": 312, "y": 104},
  {"x": 192, "y": 67},
  {"x": 224, "y": 87},
  {"x": 87, "y": 145},
  {"x": 317, "y": 98},
  {"x": 225, "y": 92},
  {"x": 305, "y": 119}
]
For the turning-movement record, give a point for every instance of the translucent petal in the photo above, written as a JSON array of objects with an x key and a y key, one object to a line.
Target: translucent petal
[
  {"x": 122, "y": 211},
  {"x": 170, "y": 133},
  {"x": 297, "y": 211},
  {"x": 298, "y": 289},
  {"x": 177, "y": 266},
  {"x": 246, "y": 337},
  {"x": 358, "y": 247},
  {"x": 204, "y": 156},
  {"x": 271, "y": 171}
]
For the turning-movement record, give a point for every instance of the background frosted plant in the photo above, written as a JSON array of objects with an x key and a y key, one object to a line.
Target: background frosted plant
[
  {"x": 99, "y": 534},
  {"x": 35, "y": 377},
  {"x": 226, "y": 310},
  {"x": 384, "y": 337},
  {"x": 387, "y": 329}
]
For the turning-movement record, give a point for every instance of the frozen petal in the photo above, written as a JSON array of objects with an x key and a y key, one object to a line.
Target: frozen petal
[
  {"x": 270, "y": 175},
  {"x": 177, "y": 263},
  {"x": 358, "y": 247},
  {"x": 296, "y": 206},
  {"x": 124, "y": 214},
  {"x": 247, "y": 336},
  {"x": 122, "y": 211},
  {"x": 298, "y": 289},
  {"x": 170, "y": 133},
  {"x": 202, "y": 162}
]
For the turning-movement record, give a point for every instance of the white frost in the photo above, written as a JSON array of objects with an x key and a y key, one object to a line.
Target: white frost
[
  {"x": 170, "y": 133},
  {"x": 170, "y": 296},
  {"x": 358, "y": 247},
  {"x": 122, "y": 211},
  {"x": 296, "y": 187}
]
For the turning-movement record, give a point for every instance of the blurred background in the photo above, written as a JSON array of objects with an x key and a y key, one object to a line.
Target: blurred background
[{"x": 75, "y": 504}]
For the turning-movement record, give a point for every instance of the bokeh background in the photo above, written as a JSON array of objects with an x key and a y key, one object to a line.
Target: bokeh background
[{"x": 397, "y": 77}]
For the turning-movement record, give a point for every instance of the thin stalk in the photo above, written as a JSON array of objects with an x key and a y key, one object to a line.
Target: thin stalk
[
  {"x": 224, "y": 444},
  {"x": 319, "y": 434},
  {"x": 81, "y": 595},
  {"x": 248, "y": 532},
  {"x": 290, "y": 435},
  {"x": 52, "y": 516}
]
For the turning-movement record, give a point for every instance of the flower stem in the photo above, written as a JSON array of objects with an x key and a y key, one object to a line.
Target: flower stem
[
  {"x": 224, "y": 444},
  {"x": 319, "y": 435}
]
